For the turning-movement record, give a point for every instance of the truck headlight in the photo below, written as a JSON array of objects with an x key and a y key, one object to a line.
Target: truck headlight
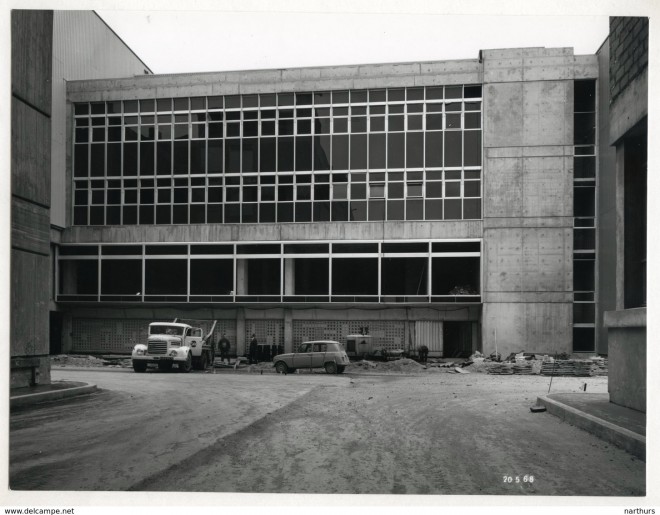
[
  {"x": 173, "y": 353},
  {"x": 139, "y": 352}
]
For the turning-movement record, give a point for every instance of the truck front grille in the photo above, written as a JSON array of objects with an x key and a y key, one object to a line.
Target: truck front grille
[{"x": 157, "y": 347}]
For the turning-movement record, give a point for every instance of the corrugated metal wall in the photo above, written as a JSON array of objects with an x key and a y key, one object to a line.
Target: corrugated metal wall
[
  {"x": 84, "y": 47},
  {"x": 429, "y": 333}
]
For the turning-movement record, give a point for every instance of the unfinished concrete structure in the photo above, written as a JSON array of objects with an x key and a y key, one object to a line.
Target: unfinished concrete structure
[
  {"x": 450, "y": 204},
  {"x": 623, "y": 194}
]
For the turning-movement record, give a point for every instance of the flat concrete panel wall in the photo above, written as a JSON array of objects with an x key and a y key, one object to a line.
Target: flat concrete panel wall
[
  {"x": 528, "y": 187},
  {"x": 527, "y": 260},
  {"x": 528, "y": 114},
  {"x": 30, "y": 153},
  {"x": 30, "y": 282},
  {"x": 30, "y": 227},
  {"x": 516, "y": 327},
  {"x": 31, "y": 55},
  {"x": 627, "y": 357}
]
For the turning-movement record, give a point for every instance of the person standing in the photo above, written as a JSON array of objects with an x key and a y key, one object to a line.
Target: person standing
[
  {"x": 254, "y": 345},
  {"x": 224, "y": 348},
  {"x": 273, "y": 351}
]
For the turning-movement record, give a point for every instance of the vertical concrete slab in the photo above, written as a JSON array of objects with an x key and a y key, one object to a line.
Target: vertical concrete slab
[{"x": 503, "y": 115}]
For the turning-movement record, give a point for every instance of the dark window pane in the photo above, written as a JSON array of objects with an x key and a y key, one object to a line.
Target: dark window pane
[
  {"x": 339, "y": 211},
  {"x": 97, "y": 162},
  {"x": 121, "y": 276},
  {"x": 404, "y": 276},
  {"x": 250, "y": 155},
  {"x": 415, "y": 210},
  {"x": 472, "y": 188},
  {"x": 268, "y": 159},
  {"x": 211, "y": 276},
  {"x": 358, "y": 211},
  {"x": 472, "y": 92},
  {"x": 303, "y": 212},
  {"x": 433, "y": 209},
  {"x": 303, "y": 153},
  {"x": 449, "y": 272},
  {"x": 453, "y": 148},
  {"x": 453, "y": 209},
  {"x": 285, "y": 212},
  {"x": 434, "y": 189},
  {"x": 232, "y": 213},
  {"x": 285, "y": 157},
  {"x": 321, "y": 211},
  {"x": 585, "y": 95},
  {"x": 166, "y": 276},
  {"x": 433, "y": 149},
  {"x": 266, "y": 212},
  {"x": 339, "y": 152},
  {"x": 395, "y": 209},
  {"x": 584, "y": 201},
  {"x": 355, "y": 276},
  {"x": 214, "y": 156},
  {"x": 585, "y": 167},
  {"x": 322, "y": 153},
  {"x": 395, "y": 150},
  {"x": 163, "y": 214},
  {"x": 376, "y": 210},
  {"x": 146, "y": 215},
  {"x": 233, "y": 156},
  {"x": 80, "y": 157},
  {"x": 164, "y": 157},
  {"x": 472, "y": 209},
  {"x": 472, "y": 120},
  {"x": 377, "y": 152},
  {"x": 129, "y": 215},
  {"x": 250, "y": 213},
  {"x": 583, "y": 275},
  {"x": 147, "y": 158},
  {"x": 584, "y": 239},
  {"x": 214, "y": 214},
  {"x": 415, "y": 150},
  {"x": 358, "y": 151},
  {"x": 583, "y": 339},
  {"x": 453, "y": 91},
  {"x": 180, "y": 157},
  {"x": 472, "y": 154},
  {"x": 585, "y": 128}
]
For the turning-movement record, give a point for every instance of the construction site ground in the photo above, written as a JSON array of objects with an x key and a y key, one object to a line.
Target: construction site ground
[{"x": 378, "y": 432}]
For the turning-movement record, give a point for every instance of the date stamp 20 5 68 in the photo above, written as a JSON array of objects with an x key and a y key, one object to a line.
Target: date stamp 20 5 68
[{"x": 518, "y": 479}]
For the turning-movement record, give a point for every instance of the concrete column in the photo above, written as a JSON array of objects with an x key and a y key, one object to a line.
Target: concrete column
[
  {"x": 241, "y": 277},
  {"x": 620, "y": 225},
  {"x": 288, "y": 330},
  {"x": 240, "y": 332},
  {"x": 289, "y": 276}
]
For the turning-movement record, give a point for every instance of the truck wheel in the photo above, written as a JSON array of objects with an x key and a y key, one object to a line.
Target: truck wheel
[
  {"x": 331, "y": 367},
  {"x": 281, "y": 368},
  {"x": 186, "y": 366},
  {"x": 139, "y": 366}
]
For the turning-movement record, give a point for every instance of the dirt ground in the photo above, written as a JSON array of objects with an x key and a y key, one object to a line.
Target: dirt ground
[{"x": 428, "y": 433}]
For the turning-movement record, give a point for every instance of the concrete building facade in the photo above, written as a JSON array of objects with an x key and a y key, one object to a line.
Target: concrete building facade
[{"x": 450, "y": 204}]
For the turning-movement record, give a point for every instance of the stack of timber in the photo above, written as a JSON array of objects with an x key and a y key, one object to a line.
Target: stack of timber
[
  {"x": 522, "y": 367},
  {"x": 500, "y": 368},
  {"x": 567, "y": 367}
]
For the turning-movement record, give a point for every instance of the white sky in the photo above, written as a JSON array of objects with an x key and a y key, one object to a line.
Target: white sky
[{"x": 285, "y": 34}]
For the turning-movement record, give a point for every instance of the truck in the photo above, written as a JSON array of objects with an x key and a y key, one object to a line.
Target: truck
[{"x": 175, "y": 343}]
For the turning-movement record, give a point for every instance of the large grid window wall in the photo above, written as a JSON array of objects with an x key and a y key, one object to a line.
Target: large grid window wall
[
  {"x": 584, "y": 221},
  {"x": 388, "y": 154},
  {"x": 317, "y": 272}
]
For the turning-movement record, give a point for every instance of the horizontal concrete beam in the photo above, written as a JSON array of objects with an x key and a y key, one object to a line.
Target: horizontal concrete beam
[{"x": 635, "y": 317}]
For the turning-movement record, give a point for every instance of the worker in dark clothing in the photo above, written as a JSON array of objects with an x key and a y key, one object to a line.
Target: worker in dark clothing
[
  {"x": 254, "y": 346},
  {"x": 423, "y": 353},
  {"x": 224, "y": 348},
  {"x": 273, "y": 350}
]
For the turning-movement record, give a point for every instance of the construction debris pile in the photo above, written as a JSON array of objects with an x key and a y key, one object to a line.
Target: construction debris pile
[
  {"x": 81, "y": 361},
  {"x": 575, "y": 367}
]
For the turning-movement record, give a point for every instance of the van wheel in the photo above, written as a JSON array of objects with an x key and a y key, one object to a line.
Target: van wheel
[
  {"x": 281, "y": 368},
  {"x": 331, "y": 367},
  {"x": 186, "y": 366},
  {"x": 139, "y": 366}
]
